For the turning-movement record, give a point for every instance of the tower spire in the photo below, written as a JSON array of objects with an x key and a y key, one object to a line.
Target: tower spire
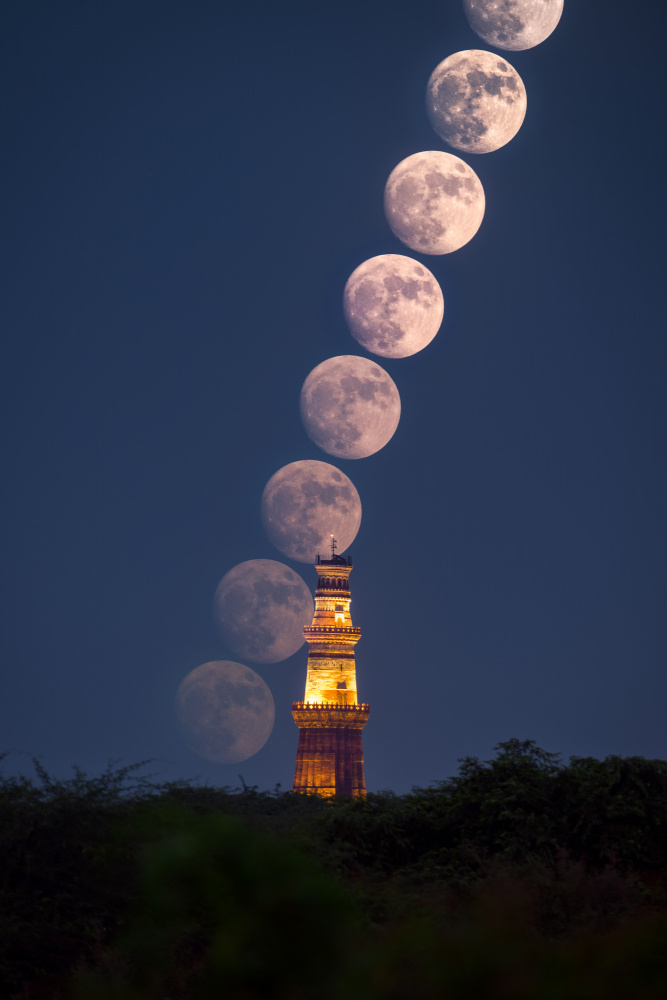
[{"x": 330, "y": 758}]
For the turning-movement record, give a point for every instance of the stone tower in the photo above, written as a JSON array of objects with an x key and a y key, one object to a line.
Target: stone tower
[{"x": 330, "y": 758}]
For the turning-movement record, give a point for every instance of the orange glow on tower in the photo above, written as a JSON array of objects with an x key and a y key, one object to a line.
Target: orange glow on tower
[{"x": 330, "y": 757}]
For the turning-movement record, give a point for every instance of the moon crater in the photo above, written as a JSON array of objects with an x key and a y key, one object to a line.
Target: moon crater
[
  {"x": 393, "y": 305},
  {"x": 350, "y": 406},
  {"x": 434, "y": 202},
  {"x": 304, "y": 504},
  {"x": 475, "y": 101},
  {"x": 226, "y": 711},
  {"x": 261, "y": 607},
  {"x": 513, "y": 25}
]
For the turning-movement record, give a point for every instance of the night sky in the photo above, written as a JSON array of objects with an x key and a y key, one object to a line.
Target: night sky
[{"x": 185, "y": 189}]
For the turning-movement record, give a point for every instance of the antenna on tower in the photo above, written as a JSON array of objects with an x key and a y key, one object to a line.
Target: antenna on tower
[{"x": 333, "y": 548}]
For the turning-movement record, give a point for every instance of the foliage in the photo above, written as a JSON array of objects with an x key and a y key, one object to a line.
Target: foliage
[
  {"x": 224, "y": 910},
  {"x": 144, "y": 889},
  {"x": 522, "y": 807},
  {"x": 63, "y": 875}
]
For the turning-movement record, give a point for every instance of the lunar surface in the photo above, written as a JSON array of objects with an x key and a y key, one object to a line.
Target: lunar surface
[
  {"x": 304, "y": 504},
  {"x": 226, "y": 711},
  {"x": 261, "y": 607},
  {"x": 513, "y": 24},
  {"x": 475, "y": 101},
  {"x": 393, "y": 305},
  {"x": 350, "y": 407},
  {"x": 434, "y": 202}
]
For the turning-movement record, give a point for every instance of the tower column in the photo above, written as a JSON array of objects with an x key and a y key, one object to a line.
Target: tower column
[{"x": 330, "y": 757}]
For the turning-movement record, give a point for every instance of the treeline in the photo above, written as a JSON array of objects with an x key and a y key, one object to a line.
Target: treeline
[{"x": 520, "y": 878}]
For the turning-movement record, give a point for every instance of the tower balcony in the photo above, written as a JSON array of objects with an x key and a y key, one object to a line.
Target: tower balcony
[
  {"x": 329, "y": 715},
  {"x": 324, "y": 630}
]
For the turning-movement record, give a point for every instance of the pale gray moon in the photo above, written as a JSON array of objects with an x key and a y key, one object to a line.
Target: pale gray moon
[
  {"x": 262, "y": 607},
  {"x": 304, "y": 504},
  {"x": 434, "y": 202},
  {"x": 393, "y": 305},
  {"x": 350, "y": 406},
  {"x": 226, "y": 711},
  {"x": 475, "y": 101},
  {"x": 513, "y": 24}
]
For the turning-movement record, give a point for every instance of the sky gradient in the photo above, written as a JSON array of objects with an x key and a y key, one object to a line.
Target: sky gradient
[{"x": 186, "y": 189}]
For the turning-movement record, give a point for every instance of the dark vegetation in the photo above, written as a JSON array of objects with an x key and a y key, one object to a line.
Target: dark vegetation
[{"x": 519, "y": 879}]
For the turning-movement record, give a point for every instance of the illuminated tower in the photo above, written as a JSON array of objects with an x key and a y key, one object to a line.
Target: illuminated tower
[{"x": 330, "y": 758}]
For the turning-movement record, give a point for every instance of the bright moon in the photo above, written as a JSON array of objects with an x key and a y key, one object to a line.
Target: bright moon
[
  {"x": 475, "y": 101},
  {"x": 226, "y": 711},
  {"x": 393, "y": 305},
  {"x": 434, "y": 202},
  {"x": 513, "y": 24},
  {"x": 304, "y": 504},
  {"x": 350, "y": 407},
  {"x": 262, "y": 607}
]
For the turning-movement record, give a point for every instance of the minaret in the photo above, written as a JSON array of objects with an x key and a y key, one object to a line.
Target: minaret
[{"x": 330, "y": 757}]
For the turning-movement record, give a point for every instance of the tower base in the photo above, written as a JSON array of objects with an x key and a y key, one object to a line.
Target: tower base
[{"x": 330, "y": 756}]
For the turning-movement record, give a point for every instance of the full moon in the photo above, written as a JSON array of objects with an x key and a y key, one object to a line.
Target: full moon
[
  {"x": 304, "y": 504},
  {"x": 475, "y": 101},
  {"x": 513, "y": 24},
  {"x": 434, "y": 202},
  {"x": 393, "y": 305},
  {"x": 226, "y": 711},
  {"x": 350, "y": 407},
  {"x": 261, "y": 607}
]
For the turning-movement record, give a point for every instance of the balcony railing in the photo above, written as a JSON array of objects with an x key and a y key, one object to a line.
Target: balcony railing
[
  {"x": 332, "y": 628},
  {"x": 317, "y": 705}
]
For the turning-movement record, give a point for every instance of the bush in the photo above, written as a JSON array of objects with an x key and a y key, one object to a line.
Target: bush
[{"x": 174, "y": 890}]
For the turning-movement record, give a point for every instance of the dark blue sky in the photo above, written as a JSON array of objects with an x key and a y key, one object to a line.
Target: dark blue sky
[{"x": 185, "y": 189}]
